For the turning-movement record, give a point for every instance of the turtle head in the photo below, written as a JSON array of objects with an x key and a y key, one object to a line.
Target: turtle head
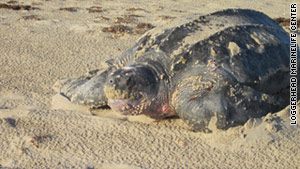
[{"x": 134, "y": 90}]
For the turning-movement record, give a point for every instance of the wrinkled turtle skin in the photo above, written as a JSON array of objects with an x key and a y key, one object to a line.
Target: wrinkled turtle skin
[{"x": 217, "y": 71}]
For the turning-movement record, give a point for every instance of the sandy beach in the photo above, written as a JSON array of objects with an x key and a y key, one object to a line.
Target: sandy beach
[{"x": 43, "y": 41}]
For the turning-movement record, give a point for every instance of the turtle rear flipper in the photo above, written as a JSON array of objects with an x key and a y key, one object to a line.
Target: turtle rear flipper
[{"x": 86, "y": 90}]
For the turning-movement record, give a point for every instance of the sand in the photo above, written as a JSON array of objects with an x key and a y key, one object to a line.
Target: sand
[{"x": 55, "y": 39}]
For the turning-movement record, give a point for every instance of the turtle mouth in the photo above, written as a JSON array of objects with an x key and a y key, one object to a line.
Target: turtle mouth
[
  {"x": 123, "y": 101},
  {"x": 117, "y": 104},
  {"x": 151, "y": 108},
  {"x": 125, "y": 106}
]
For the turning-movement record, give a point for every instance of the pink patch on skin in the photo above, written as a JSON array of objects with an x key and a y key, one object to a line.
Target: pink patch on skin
[
  {"x": 193, "y": 98},
  {"x": 127, "y": 68},
  {"x": 167, "y": 110}
]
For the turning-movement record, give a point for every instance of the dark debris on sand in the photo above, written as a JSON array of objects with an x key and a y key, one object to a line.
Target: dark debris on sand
[
  {"x": 69, "y": 9},
  {"x": 117, "y": 29},
  {"x": 142, "y": 28},
  {"x": 17, "y": 7},
  {"x": 12, "y": 2},
  {"x": 95, "y": 9},
  {"x": 285, "y": 21}
]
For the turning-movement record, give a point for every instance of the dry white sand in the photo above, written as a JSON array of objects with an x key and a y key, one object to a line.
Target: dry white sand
[{"x": 41, "y": 130}]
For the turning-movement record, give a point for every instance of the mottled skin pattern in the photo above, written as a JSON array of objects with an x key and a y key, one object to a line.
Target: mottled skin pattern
[{"x": 214, "y": 72}]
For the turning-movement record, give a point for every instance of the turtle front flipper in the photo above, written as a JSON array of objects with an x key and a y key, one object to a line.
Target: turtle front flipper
[
  {"x": 86, "y": 90},
  {"x": 208, "y": 102}
]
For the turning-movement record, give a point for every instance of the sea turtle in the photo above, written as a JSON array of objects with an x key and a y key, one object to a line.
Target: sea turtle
[{"x": 216, "y": 71}]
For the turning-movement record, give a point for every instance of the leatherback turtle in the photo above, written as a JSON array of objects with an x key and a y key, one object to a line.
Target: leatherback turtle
[{"x": 217, "y": 71}]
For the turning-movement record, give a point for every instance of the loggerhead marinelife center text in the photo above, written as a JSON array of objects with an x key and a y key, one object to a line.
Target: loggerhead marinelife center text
[{"x": 293, "y": 64}]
